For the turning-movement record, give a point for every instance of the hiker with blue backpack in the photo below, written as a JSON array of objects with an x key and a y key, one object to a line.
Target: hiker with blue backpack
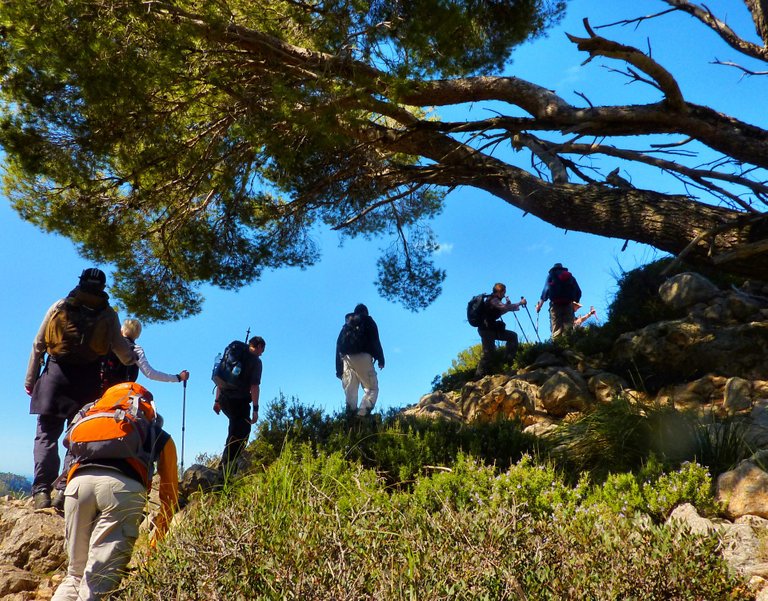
[
  {"x": 357, "y": 347},
  {"x": 561, "y": 290},
  {"x": 237, "y": 375},
  {"x": 484, "y": 312}
]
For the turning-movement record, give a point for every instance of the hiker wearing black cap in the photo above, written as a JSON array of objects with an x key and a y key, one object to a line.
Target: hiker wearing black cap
[
  {"x": 562, "y": 290},
  {"x": 357, "y": 347},
  {"x": 493, "y": 328},
  {"x": 75, "y": 333}
]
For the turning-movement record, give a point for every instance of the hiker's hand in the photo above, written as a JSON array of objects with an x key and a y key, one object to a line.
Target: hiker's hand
[
  {"x": 28, "y": 390},
  {"x": 523, "y": 302},
  {"x": 216, "y": 407},
  {"x": 255, "y": 416},
  {"x": 381, "y": 364},
  {"x": 538, "y": 306},
  {"x": 338, "y": 375},
  {"x": 183, "y": 375}
]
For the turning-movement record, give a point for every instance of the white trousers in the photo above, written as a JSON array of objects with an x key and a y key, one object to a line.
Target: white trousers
[
  {"x": 359, "y": 370},
  {"x": 102, "y": 512}
]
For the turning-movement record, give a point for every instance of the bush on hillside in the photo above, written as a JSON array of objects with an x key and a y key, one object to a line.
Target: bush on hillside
[
  {"x": 623, "y": 436},
  {"x": 319, "y": 527},
  {"x": 396, "y": 446}
]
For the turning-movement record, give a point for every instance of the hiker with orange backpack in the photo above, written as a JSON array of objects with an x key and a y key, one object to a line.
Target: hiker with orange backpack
[
  {"x": 114, "y": 443},
  {"x": 75, "y": 333},
  {"x": 562, "y": 290}
]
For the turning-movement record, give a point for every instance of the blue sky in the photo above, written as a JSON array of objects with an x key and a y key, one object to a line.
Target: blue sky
[{"x": 299, "y": 312}]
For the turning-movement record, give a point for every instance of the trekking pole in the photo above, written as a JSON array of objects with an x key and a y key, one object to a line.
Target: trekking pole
[
  {"x": 519, "y": 325},
  {"x": 247, "y": 333},
  {"x": 535, "y": 325},
  {"x": 183, "y": 419}
]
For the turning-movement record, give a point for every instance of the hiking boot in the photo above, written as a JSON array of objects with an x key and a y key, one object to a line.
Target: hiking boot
[
  {"x": 41, "y": 500},
  {"x": 58, "y": 501}
]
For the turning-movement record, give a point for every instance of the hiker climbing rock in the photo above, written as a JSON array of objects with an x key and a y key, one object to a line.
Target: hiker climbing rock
[
  {"x": 237, "y": 375},
  {"x": 561, "y": 290},
  {"x": 357, "y": 347},
  {"x": 76, "y": 332},
  {"x": 114, "y": 443},
  {"x": 486, "y": 316}
]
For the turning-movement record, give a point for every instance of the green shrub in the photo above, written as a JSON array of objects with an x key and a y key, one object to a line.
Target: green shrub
[
  {"x": 315, "y": 526},
  {"x": 396, "y": 446}
]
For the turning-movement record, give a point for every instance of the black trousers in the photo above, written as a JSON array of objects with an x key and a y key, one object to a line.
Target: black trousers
[{"x": 238, "y": 411}]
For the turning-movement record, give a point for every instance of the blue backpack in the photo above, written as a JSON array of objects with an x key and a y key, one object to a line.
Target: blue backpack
[
  {"x": 229, "y": 368},
  {"x": 561, "y": 287}
]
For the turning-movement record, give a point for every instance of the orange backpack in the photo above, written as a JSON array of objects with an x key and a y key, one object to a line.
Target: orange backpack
[{"x": 122, "y": 424}]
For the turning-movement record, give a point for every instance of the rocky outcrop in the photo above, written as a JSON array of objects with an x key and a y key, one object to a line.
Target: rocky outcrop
[
  {"x": 722, "y": 345},
  {"x": 724, "y": 332},
  {"x": 742, "y": 543},
  {"x": 31, "y": 550},
  {"x": 33, "y": 560}
]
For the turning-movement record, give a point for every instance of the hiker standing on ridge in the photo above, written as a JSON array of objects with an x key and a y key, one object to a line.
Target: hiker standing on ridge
[
  {"x": 75, "y": 333},
  {"x": 562, "y": 290},
  {"x": 105, "y": 497},
  {"x": 234, "y": 400},
  {"x": 492, "y": 328},
  {"x": 357, "y": 347},
  {"x": 114, "y": 372}
]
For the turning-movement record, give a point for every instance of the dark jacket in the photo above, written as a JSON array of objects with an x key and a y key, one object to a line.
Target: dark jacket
[
  {"x": 558, "y": 293},
  {"x": 494, "y": 309},
  {"x": 370, "y": 343}
]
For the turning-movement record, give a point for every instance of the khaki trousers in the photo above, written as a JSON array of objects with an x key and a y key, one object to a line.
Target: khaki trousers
[
  {"x": 102, "y": 512},
  {"x": 359, "y": 370}
]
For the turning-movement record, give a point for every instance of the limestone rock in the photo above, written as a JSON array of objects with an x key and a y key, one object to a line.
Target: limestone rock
[
  {"x": 564, "y": 392},
  {"x": 437, "y": 405},
  {"x": 31, "y": 540},
  {"x": 737, "y": 395},
  {"x": 686, "y": 289},
  {"x": 744, "y": 490},
  {"x": 198, "y": 478},
  {"x": 15, "y": 581},
  {"x": 606, "y": 386}
]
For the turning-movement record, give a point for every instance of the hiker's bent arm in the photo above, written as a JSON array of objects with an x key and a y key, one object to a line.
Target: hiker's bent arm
[
  {"x": 38, "y": 349},
  {"x": 149, "y": 371}
]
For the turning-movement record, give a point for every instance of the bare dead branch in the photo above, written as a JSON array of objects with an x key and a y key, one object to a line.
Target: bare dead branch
[
  {"x": 746, "y": 72},
  {"x": 730, "y": 37},
  {"x": 599, "y": 46}
]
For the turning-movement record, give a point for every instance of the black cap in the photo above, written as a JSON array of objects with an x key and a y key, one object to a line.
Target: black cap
[
  {"x": 361, "y": 309},
  {"x": 93, "y": 278}
]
